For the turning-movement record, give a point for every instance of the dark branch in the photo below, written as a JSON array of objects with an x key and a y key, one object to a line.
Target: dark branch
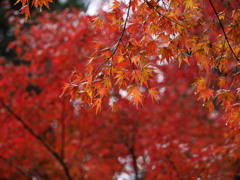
[
  {"x": 63, "y": 128},
  {"x": 11, "y": 165},
  {"x": 134, "y": 158},
  {"x": 42, "y": 142},
  {"x": 119, "y": 40},
  {"x": 223, "y": 30}
]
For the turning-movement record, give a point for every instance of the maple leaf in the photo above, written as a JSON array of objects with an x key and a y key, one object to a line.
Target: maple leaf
[
  {"x": 189, "y": 3},
  {"x": 18, "y": 1},
  {"x": 46, "y": 3},
  {"x": 184, "y": 59},
  {"x": 146, "y": 33},
  {"x": 121, "y": 78},
  {"x": 146, "y": 74},
  {"x": 152, "y": 46},
  {"x": 102, "y": 92},
  {"x": 65, "y": 89},
  {"x": 115, "y": 106},
  {"x": 234, "y": 114},
  {"x": 135, "y": 60},
  {"x": 98, "y": 22},
  {"x": 25, "y": 10},
  {"x": 209, "y": 105},
  {"x": 136, "y": 75},
  {"x": 153, "y": 93},
  {"x": 153, "y": 29},
  {"x": 135, "y": 95},
  {"x": 120, "y": 58},
  {"x": 166, "y": 53},
  {"x": 221, "y": 15},
  {"x": 107, "y": 83},
  {"x": 206, "y": 94},
  {"x": 221, "y": 81},
  {"x": 115, "y": 4},
  {"x": 200, "y": 84},
  {"x": 98, "y": 104},
  {"x": 41, "y": 3},
  {"x": 225, "y": 97},
  {"x": 89, "y": 92}
]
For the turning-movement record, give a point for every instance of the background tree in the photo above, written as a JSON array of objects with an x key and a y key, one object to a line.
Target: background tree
[{"x": 49, "y": 137}]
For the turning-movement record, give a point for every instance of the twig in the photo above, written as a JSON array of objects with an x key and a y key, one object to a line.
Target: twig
[
  {"x": 63, "y": 128},
  {"x": 16, "y": 168},
  {"x": 223, "y": 30},
  {"x": 160, "y": 14},
  {"x": 132, "y": 150},
  {"x": 42, "y": 142},
  {"x": 119, "y": 40},
  {"x": 134, "y": 158}
]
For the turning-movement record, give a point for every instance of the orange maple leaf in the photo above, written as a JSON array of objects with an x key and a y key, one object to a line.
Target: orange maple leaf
[
  {"x": 136, "y": 95},
  {"x": 153, "y": 93},
  {"x": 25, "y": 10},
  {"x": 206, "y": 94}
]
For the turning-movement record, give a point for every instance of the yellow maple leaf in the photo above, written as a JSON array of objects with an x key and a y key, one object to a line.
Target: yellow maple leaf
[
  {"x": 120, "y": 58},
  {"x": 98, "y": 104},
  {"x": 121, "y": 78},
  {"x": 107, "y": 83},
  {"x": 200, "y": 84},
  {"x": 135, "y": 94},
  {"x": 225, "y": 97},
  {"x": 136, "y": 74},
  {"x": 221, "y": 15},
  {"x": 98, "y": 22},
  {"x": 183, "y": 59},
  {"x": 18, "y": 1},
  {"x": 153, "y": 93},
  {"x": 189, "y": 3},
  {"x": 135, "y": 60},
  {"x": 221, "y": 81},
  {"x": 153, "y": 29},
  {"x": 115, "y": 4},
  {"x": 89, "y": 92},
  {"x": 209, "y": 105}
]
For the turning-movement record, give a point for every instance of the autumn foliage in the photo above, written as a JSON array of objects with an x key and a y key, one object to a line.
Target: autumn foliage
[
  {"x": 144, "y": 90},
  {"x": 157, "y": 32}
]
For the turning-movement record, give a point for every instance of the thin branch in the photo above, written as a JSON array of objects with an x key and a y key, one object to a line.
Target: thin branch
[
  {"x": 223, "y": 30},
  {"x": 133, "y": 68},
  {"x": 11, "y": 164},
  {"x": 119, "y": 40},
  {"x": 131, "y": 149},
  {"x": 42, "y": 142},
  {"x": 160, "y": 14},
  {"x": 165, "y": 6},
  {"x": 63, "y": 128},
  {"x": 134, "y": 158}
]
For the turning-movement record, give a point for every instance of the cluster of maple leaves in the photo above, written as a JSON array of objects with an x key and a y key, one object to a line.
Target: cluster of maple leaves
[
  {"x": 148, "y": 53},
  {"x": 145, "y": 34}
]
